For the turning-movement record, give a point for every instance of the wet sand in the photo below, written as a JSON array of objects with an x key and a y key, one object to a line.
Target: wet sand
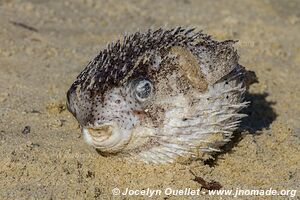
[{"x": 45, "y": 44}]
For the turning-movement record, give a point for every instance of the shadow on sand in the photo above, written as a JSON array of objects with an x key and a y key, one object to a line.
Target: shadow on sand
[{"x": 260, "y": 116}]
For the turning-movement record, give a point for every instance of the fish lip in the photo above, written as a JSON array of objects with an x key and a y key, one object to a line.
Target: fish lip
[
  {"x": 100, "y": 132},
  {"x": 105, "y": 130},
  {"x": 106, "y": 137}
]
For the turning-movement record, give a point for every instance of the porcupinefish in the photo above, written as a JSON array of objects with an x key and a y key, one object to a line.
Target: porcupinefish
[{"x": 160, "y": 95}]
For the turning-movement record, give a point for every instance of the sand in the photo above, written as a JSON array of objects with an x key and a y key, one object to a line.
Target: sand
[{"x": 39, "y": 61}]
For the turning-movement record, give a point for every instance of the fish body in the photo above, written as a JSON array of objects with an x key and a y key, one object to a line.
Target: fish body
[{"x": 160, "y": 95}]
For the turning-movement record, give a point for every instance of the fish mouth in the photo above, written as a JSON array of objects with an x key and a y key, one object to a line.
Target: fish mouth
[
  {"x": 101, "y": 133},
  {"x": 106, "y": 137}
]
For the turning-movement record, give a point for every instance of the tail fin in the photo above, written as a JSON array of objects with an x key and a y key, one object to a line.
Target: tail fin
[
  {"x": 217, "y": 59},
  {"x": 220, "y": 63},
  {"x": 250, "y": 78}
]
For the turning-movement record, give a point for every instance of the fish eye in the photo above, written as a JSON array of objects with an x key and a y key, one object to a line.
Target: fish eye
[
  {"x": 143, "y": 90},
  {"x": 68, "y": 101}
]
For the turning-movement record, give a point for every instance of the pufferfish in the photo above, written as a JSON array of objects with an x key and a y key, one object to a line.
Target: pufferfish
[{"x": 160, "y": 95}]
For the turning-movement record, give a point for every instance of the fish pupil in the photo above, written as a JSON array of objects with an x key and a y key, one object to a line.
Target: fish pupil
[{"x": 143, "y": 89}]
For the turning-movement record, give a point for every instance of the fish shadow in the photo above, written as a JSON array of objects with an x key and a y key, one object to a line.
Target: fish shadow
[
  {"x": 260, "y": 116},
  {"x": 260, "y": 113}
]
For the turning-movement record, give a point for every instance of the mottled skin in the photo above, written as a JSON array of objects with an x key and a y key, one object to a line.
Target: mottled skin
[{"x": 160, "y": 95}]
